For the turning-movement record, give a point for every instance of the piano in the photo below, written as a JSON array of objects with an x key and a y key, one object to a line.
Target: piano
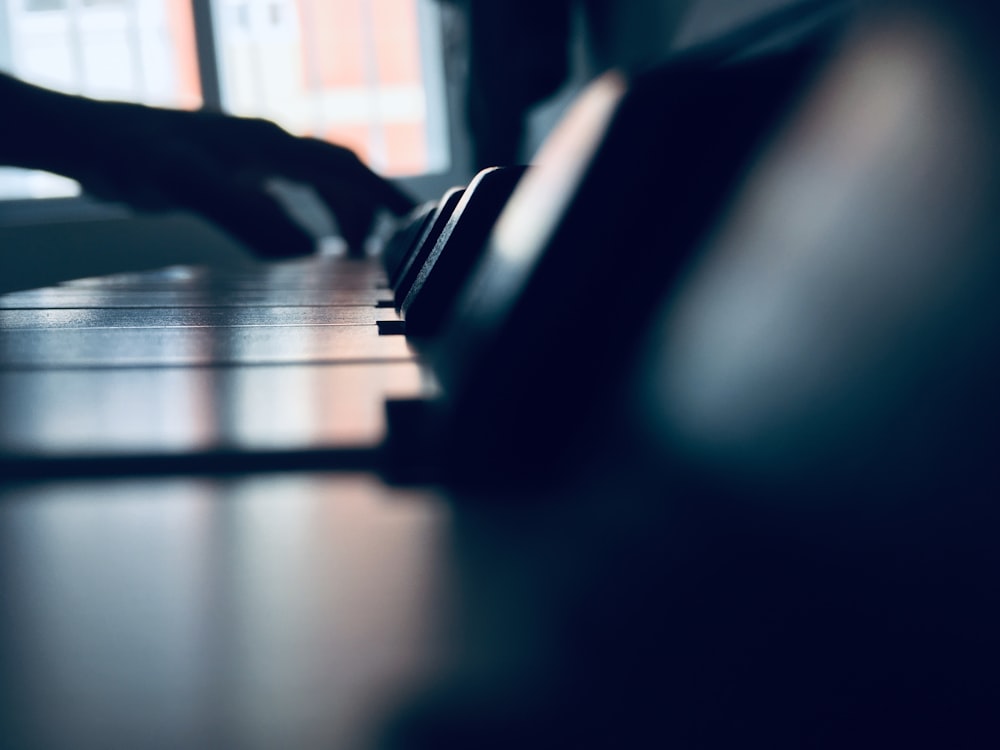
[{"x": 690, "y": 442}]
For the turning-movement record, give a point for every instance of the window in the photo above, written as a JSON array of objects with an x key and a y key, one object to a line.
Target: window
[
  {"x": 351, "y": 71},
  {"x": 135, "y": 50},
  {"x": 365, "y": 73}
]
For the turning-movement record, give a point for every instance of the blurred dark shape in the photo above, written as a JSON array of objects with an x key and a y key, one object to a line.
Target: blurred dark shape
[
  {"x": 604, "y": 221},
  {"x": 784, "y": 533},
  {"x": 833, "y": 331}
]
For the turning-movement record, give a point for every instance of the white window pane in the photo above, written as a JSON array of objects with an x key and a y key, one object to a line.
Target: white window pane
[{"x": 133, "y": 50}]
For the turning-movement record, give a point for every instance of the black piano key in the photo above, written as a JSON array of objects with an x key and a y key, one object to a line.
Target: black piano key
[
  {"x": 590, "y": 241},
  {"x": 410, "y": 230},
  {"x": 457, "y": 250},
  {"x": 415, "y": 259}
]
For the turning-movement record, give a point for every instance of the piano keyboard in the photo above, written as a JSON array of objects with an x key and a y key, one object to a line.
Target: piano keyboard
[
  {"x": 186, "y": 362},
  {"x": 819, "y": 567}
]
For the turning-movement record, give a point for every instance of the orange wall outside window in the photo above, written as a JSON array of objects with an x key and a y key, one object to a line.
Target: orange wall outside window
[
  {"x": 406, "y": 147},
  {"x": 354, "y": 136},
  {"x": 181, "y": 25},
  {"x": 332, "y": 46},
  {"x": 397, "y": 42}
]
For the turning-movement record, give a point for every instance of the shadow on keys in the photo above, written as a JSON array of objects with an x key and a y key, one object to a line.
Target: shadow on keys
[{"x": 781, "y": 532}]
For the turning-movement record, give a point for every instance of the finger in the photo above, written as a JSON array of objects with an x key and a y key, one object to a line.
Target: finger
[
  {"x": 350, "y": 190},
  {"x": 249, "y": 214},
  {"x": 355, "y": 220},
  {"x": 342, "y": 170},
  {"x": 332, "y": 168}
]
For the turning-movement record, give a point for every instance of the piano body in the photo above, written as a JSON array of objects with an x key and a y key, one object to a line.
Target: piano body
[{"x": 680, "y": 436}]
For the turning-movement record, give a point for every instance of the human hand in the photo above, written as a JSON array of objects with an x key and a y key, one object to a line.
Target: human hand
[{"x": 217, "y": 165}]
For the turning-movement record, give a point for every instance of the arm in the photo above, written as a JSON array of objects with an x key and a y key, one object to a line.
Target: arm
[{"x": 206, "y": 162}]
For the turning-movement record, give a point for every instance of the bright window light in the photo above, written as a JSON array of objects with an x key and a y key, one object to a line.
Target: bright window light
[{"x": 363, "y": 73}]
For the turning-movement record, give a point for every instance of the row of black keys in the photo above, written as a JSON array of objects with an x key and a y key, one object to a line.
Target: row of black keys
[
  {"x": 433, "y": 253},
  {"x": 429, "y": 262},
  {"x": 530, "y": 290}
]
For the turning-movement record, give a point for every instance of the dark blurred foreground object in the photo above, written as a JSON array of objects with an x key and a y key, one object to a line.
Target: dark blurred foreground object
[
  {"x": 794, "y": 543},
  {"x": 592, "y": 237},
  {"x": 210, "y": 163}
]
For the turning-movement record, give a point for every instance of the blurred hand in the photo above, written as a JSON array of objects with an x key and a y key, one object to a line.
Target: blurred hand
[{"x": 217, "y": 166}]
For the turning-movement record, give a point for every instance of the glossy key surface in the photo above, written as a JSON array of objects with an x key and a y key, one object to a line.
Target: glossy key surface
[
  {"x": 457, "y": 250},
  {"x": 417, "y": 255},
  {"x": 283, "y": 357}
]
